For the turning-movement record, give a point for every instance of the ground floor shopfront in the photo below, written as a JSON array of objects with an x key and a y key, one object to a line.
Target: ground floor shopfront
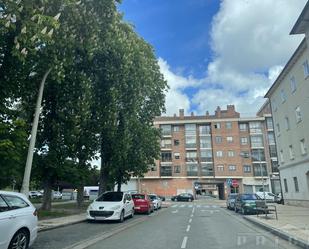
[{"x": 218, "y": 187}]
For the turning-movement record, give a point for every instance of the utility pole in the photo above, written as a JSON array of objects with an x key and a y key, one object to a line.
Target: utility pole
[{"x": 27, "y": 173}]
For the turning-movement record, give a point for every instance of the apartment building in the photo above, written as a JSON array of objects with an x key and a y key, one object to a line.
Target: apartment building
[
  {"x": 205, "y": 153},
  {"x": 289, "y": 98}
]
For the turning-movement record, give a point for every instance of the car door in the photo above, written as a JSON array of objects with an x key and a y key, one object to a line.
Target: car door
[
  {"x": 6, "y": 227},
  {"x": 126, "y": 203}
]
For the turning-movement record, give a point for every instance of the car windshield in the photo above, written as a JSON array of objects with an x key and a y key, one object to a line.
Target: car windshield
[
  {"x": 152, "y": 197},
  {"x": 111, "y": 196},
  {"x": 137, "y": 196},
  {"x": 248, "y": 197}
]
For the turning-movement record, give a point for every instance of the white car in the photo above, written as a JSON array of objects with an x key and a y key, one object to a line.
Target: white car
[
  {"x": 18, "y": 221},
  {"x": 111, "y": 206},
  {"x": 56, "y": 195},
  {"x": 157, "y": 202},
  {"x": 270, "y": 197}
]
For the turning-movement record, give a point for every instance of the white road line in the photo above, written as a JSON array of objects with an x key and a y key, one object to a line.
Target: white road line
[
  {"x": 206, "y": 206},
  {"x": 182, "y": 206},
  {"x": 214, "y": 206},
  {"x": 198, "y": 206},
  {"x": 190, "y": 206},
  {"x": 191, "y": 215},
  {"x": 188, "y": 228},
  {"x": 174, "y": 212},
  {"x": 184, "y": 242},
  {"x": 174, "y": 206},
  {"x": 193, "y": 210},
  {"x": 190, "y": 220}
]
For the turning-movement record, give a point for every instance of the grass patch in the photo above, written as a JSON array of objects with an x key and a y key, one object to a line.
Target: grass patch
[{"x": 43, "y": 214}]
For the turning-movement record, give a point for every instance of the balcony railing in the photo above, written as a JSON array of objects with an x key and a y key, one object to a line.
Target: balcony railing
[
  {"x": 192, "y": 173},
  {"x": 191, "y": 159},
  {"x": 206, "y": 159},
  {"x": 191, "y": 145},
  {"x": 207, "y": 173}
]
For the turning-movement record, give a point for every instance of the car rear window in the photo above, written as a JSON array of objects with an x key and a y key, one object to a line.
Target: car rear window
[
  {"x": 249, "y": 197},
  {"x": 111, "y": 196},
  {"x": 137, "y": 196},
  {"x": 15, "y": 202}
]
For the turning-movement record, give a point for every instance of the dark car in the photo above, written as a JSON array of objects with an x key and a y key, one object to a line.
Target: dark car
[
  {"x": 245, "y": 203},
  {"x": 161, "y": 197},
  {"x": 183, "y": 197}
]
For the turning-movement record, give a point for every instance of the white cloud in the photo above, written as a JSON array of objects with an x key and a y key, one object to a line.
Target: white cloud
[{"x": 251, "y": 44}]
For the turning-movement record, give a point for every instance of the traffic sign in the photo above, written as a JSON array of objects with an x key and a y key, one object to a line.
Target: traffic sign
[
  {"x": 235, "y": 183},
  {"x": 229, "y": 181}
]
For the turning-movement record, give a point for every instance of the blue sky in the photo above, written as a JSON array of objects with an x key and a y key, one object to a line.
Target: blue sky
[{"x": 214, "y": 53}]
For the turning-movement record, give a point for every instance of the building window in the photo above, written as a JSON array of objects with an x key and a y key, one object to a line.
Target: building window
[
  {"x": 243, "y": 140},
  {"x": 303, "y": 147},
  {"x": 306, "y": 68},
  {"x": 272, "y": 151},
  {"x": 256, "y": 141},
  {"x": 283, "y": 96},
  {"x": 271, "y": 137},
  {"x": 206, "y": 155},
  {"x": 175, "y": 128},
  {"x": 217, "y": 125},
  {"x": 232, "y": 167},
  {"x": 298, "y": 114},
  {"x": 269, "y": 123},
  {"x": 255, "y": 127},
  {"x": 259, "y": 169},
  {"x": 166, "y": 156},
  {"x": 229, "y": 139},
  {"x": 220, "y": 168},
  {"x": 296, "y": 184},
  {"x": 293, "y": 84},
  {"x": 192, "y": 170},
  {"x": 191, "y": 142},
  {"x": 166, "y": 170},
  {"x": 257, "y": 155},
  {"x": 204, "y": 129},
  {"x": 218, "y": 139},
  {"x": 166, "y": 130},
  {"x": 285, "y": 185},
  {"x": 166, "y": 143},
  {"x": 228, "y": 125},
  {"x": 176, "y": 142},
  {"x": 230, "y": 153},
  {"x": 177, "y": 155},
  {"x": 177, "y": 169},
  {"x": 245, "y": 154},
  {"x": 191, "y": 156},
  {"x": 219, "y": 153},
  {"x": 292, "y": 155},
  {"x": 153, "y": 167},
  {"x": 274, "y": 105},
  {"x": 190, "y": 129},
  {"x": 243, "y": 127},
  {"x": 247, "y": 169},
  {"x": 205, "y": 142},
  {"x": 287, "y": 123}
]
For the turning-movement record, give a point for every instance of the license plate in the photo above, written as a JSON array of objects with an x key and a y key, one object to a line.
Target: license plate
[{"x": 137, "y": 207}]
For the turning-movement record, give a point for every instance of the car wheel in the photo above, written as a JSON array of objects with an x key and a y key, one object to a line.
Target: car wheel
[
  {"x": 176, "y": 199},
  {"x": 243, "y": 211},
  {"x": 132, "y": 213},
  {"x": 121, "y": 218},
  {"x": 149, "y": 210},
  {"x": 20, "y": 240},
  {"x": 236, "y": 210},
  {"x": 190, "y": 200}
]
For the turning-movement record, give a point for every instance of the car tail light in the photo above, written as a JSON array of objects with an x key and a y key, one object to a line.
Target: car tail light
[{"x": 35, "y": 213}]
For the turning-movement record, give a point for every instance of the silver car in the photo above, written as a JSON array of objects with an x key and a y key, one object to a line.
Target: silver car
[{"x": 230, "y": 201}]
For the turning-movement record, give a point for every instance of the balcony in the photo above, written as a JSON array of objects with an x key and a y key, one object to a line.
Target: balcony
[
  {"x": 191, "y": 146},
  {"x": 207, "y": 173},
  {"x": 206, "y": 159},
  {"x": 191, "y": 159},
  {"x": 192, "y": 173}
]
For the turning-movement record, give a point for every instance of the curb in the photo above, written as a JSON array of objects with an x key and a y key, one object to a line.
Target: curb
[
  {"x": 43, "y": 229},
  {"x": 295, "y": 241}
]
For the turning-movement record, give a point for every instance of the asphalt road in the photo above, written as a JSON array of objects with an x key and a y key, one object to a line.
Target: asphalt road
[{"x": 197, "y": 225}]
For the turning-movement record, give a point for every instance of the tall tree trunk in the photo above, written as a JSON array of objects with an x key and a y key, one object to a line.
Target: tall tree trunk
[
  {"x": 103, "y": 186},
  {"x": 47, "y": 194},
  {"x": 119, "y": 185},
  {"x": 80, "y": 195}
]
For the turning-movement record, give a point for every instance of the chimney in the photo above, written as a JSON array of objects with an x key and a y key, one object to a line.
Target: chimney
[
  {"x": 218, "y": 112},
  {"x": 181, "y": 113},
  {"x": 192, "y": 114}
]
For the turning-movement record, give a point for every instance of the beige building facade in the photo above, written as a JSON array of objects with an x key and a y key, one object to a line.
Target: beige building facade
[{"x": 289, "y": 98}]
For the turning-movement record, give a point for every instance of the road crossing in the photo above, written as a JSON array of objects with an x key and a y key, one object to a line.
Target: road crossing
[{"x": 193, "y": 205}]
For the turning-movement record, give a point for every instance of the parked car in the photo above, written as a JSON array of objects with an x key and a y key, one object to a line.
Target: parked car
[
  {"x": 111, "y": 206},
  {"x": 56, "y": 195},
  {"x": 162, "y": 197},
  {"x": 245, "y": 203},
  {"x": 157, "y": 202},
  {"x": 183, "y": 197},
  {"x": 279, "y": 199},
  {"x": 270, "y": 197},
  {"x": 35, "y": 194},
  {"x": 18, "y": 221},
  {"x": 230, "y": 201},
  {"x": 142, "y": 203}
]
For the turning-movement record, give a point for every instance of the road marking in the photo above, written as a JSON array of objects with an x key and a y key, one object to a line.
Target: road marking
[
  {"x": 184, "y": 242},
  {"x": 182, "y": 206},
  {"x": 174, "y": 212},
  {"x": 190, "y": 220},
  {"x": 190, "y": 206},
  {"x": 191, "y": 215},
  {"x": 193, "y": 210},
  {"x": 174, "y": 206},
  {"x": 198, "y": 206},
  {"x": 207, "y": 206},
  {"x": 188, "y": 228}
]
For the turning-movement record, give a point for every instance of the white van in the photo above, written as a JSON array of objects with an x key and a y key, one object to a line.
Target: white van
[
  {"x": 91, "y": 192},
  {"x": 270, "y": 197}
]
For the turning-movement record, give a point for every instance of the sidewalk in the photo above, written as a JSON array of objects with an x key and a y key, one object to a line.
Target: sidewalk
[
  {"x": 49, "y": 224},
  {"x": 292, "y": 223}
]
